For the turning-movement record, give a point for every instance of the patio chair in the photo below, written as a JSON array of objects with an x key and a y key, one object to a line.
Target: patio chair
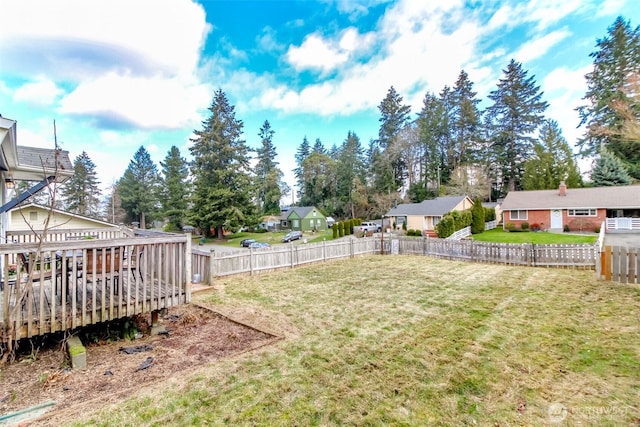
[
  {"x": 91, "y": 274},
  {"x": 47, "y": 269}
]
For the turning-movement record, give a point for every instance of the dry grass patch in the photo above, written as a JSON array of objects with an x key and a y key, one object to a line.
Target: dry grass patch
[{"x": 414, "y": 341}]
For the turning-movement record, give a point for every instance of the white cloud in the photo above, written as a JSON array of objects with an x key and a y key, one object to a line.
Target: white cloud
[
  {"x": 564, "y": 89},
  {"x": 609, "y": 7},
  {"x": 40, "y": 92},
  {"x": 138, "y": 102},
  {"x": 540, "y": 46},
  {"x": 315, "y": 53}
]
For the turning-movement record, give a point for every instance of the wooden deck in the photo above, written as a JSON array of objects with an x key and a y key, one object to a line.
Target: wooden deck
[{"x": 79, "y": 283}]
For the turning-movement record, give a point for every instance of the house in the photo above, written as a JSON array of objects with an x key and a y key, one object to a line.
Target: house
[
  {"x": 303, "y": 218},
  {"x": 428, "y": 213},
  {"x": 578, "y": 209},
  {"x": 270, "y": 223},
  {"x": 32, "y": 217}
]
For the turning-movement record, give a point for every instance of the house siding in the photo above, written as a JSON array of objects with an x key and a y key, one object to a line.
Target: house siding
[{"x": 543, "y": 218}]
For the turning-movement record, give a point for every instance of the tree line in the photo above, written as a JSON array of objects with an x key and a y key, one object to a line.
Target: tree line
[{"x": 450, "y": 147}]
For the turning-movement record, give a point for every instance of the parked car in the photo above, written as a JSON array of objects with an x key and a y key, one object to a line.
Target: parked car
[
  {"x": 259, "y": 245},
  {"x": 247, "y": 242},
  {"x": 368, "y": 226},
  {"x": 291, "y": 236}
]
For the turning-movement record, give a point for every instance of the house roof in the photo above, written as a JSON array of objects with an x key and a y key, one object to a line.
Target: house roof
[
  {"x": 61, "y": 212},
  {"x": 301, "y": 211},
  {"x": 433, "y": 207},
  {"x": 30, "y": 163},
  {"x": 623, "y": 197}
]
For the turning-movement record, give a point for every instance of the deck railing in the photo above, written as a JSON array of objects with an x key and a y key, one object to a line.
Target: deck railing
[
  {"x": 59, "y": 285},
  {"x": 63, "y": 235}
]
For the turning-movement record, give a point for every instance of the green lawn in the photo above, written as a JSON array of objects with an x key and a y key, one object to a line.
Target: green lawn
[
  {"x": 273, "y": 238},
  {"x": 497, "y": 235},
  {"x": 412, "y": 341}
]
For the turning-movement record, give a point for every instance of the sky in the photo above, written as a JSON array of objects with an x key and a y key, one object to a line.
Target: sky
[{"x": 119, "y": 74}]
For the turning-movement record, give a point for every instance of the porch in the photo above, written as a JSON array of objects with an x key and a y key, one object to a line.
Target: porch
[{"x": 69, "y": 281}]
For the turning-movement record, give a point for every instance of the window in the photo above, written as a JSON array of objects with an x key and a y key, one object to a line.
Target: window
[
  {"x": 33, "y": 215},
  {"x": 436, "y": 220},
  {"x": 582, "y": 212},
  {"x": 518, "y": 214}
]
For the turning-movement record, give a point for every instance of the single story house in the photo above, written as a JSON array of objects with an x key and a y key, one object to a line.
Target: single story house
[
  {"x": 578, "y": 209},
  {"x": 428, "y": 213},
  {"x": 270, "y": 223},
  {"x": 303, "y": 218},
  {"x": 33, "y": 216}
]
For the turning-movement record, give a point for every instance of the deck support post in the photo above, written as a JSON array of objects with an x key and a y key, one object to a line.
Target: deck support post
[{"x": 156, "y": 327}]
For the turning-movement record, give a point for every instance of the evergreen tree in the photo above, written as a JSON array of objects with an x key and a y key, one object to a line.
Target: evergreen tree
[
  {"x": 138, "y": 188},
  {"x": 318, "y": 147},
  {"x": 477, "y": 217},
  {"x": 516, "y": 113},
  {"x": 304, "y": 150},
  {"x": 609, "y": 171},
  {"x": 176, "y": 189},
  {"x": 617, "y": 58},
  {"x": 113, "y": 206},
  {"x": 430, "y": 120},
  {"x": 465, "y": 121},
  {"x": 389, "y": 167},
  {"x": 350, "y": 171},
  {"x": 552, "y": 162},
  {"x": 220, "y": 169},
  {"x": 319, "y": 180},
  {"x": 81, "y": 192},
  {"x": 268, "y": 175}
]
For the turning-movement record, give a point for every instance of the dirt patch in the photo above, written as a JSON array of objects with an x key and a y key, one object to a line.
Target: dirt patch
[{"x": 116, "y": 368}]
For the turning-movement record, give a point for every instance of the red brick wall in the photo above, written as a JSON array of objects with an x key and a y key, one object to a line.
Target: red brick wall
[{"x": 543, "y": 218}]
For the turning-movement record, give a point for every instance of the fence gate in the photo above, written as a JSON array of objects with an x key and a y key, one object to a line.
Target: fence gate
[{"x": 620, "y": 264}]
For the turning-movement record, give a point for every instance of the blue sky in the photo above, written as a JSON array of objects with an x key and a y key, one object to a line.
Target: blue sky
[{"x": 118, "y": 74}]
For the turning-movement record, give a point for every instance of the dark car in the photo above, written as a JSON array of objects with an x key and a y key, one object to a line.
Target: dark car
[
  {"x": 291, "y": 236},
  {"x": 247, "y": 242}
]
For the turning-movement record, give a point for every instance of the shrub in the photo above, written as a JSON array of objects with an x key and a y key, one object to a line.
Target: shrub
[
  {"x": 334, "y": 229},
  {"x": 535, "y": 227},
  {"x": 260, "y": 230},
  {"x": 510, "y": 226},
  {"x": 341, "y": 229},
  {"x": 524, "y": 225},
  {"x": 446, "y": 227},
  {"x": 477, "y": 217},
  {"x": 489, "y": 214},
  {"x": 404, "y": 226},
  {"x": 597, "y": 229},
  {"x": 566, "y": 228}
]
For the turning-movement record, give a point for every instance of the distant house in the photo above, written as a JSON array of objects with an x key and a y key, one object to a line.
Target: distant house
[
  {"x": 33, "y": 216},
  {"x": 427, "y": 214},
  {"x": 270, "y": 222},
  {"x": 303, "y": 218},
  {"x": 579, "y": 209}
]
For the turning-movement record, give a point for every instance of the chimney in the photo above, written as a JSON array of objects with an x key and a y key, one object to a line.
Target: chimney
[{"x": 562, "y": 191}]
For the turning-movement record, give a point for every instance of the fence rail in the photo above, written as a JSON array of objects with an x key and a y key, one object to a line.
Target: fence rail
[{"x": 211, "y": 265}]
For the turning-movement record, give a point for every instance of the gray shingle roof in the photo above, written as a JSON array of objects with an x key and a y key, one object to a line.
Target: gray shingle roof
[
  {"x": 43, "y": 158},
  {"x": 627, "y": 196},
  {"x": 434, "y": 207}
]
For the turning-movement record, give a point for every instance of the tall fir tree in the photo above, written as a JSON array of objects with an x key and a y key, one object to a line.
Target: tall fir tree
[
  {"x": 350, "y": 172},
  {"x": 222, "y": 196},
  {"x": 176, "y": 189},
  {"x": 608, "y": 170},
  {"x": 465, "y": 121},
  {"x": 81, "y": 193},
  {"x": 617, "y": 58},
  {"x": 516, "y": 113},
  {"x": 304, "y": 150},
  {"x": 138, "y": 188},
  {"x": 268, "y": 175},
  {"x": 389, "y": 167},
  {"x": 552, "y": 161},
  {"x": 430, "y": 120}
]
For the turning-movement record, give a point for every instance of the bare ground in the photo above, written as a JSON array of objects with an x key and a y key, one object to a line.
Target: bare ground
[{"x": 196, "y": 336}]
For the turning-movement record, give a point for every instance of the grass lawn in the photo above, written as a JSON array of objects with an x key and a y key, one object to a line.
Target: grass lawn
[
  {"x": 403, "y": 340},
  {"x": 272, "y": 238},
  {"x": 498, "y": 235}
]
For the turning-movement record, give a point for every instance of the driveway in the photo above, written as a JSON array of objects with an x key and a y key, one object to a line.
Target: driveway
[{"x": 630, "y": 240}]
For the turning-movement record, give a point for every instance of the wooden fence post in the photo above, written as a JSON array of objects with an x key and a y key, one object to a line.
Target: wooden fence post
[{"x": 212, "y": 267}]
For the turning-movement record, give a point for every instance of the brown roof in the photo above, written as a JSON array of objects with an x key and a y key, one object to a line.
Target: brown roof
[{"x": 623, "y": 197}]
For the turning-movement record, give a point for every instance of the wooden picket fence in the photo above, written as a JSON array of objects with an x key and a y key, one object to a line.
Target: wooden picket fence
[
  {"x": 619, "y": 264},
  {"x": 209, "y": 265}
]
